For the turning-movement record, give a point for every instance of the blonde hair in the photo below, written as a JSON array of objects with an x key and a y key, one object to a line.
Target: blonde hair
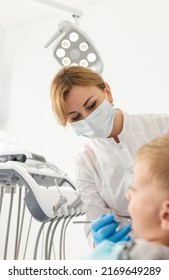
[
  {"x": 156, "y": 154},
  {"x": 64, "y": 81}
]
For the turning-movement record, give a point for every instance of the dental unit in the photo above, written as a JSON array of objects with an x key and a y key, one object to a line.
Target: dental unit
[{"x": 51, "y": 194}]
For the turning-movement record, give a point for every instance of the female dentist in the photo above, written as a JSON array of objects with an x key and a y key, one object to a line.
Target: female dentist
[{"x": 82, "y": 99}]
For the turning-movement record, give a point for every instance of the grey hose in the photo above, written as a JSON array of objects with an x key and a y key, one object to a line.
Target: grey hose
[
  {"x": 8, "y": 224},
  {"x": 17, "y": 226}
]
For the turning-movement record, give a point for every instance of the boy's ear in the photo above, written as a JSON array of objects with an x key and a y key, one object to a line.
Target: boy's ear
[
  {"x": 164, "y": 215},
  {"x": 109, "y": 93}
]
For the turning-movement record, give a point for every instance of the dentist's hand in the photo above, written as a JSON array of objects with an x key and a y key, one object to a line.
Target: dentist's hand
[{"x": 104, "y": 228}]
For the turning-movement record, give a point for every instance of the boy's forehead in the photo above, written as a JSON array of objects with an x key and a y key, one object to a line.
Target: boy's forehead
[{"x": 141, "y": 170}]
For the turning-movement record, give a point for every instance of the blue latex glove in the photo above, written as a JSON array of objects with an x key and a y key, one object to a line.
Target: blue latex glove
[{"x": 104, "y": 228}]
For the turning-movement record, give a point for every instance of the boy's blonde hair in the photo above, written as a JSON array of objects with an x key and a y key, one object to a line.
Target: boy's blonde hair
[
  {"x": 156, "y": 154},
  {"x": 63, "y": 82}
]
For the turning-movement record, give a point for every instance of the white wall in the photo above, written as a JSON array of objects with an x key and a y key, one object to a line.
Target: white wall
[
  {"x": 132, "y": 38},
  {"x": 2, "y": 75}
]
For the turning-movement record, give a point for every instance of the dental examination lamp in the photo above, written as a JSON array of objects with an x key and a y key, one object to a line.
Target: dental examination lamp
[
  {"x": 71, "y": 46},
  {"x": 50, "y": 195},
  {"x": 74, "y": 47}
]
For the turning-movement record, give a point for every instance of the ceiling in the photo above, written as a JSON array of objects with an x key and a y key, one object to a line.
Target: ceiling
[{"x": 14, "y": 13}]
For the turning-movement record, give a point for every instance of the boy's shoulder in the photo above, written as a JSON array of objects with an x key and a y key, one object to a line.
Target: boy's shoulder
[
  {"x": 135, "y": 249},
  {"x": 140, "y": 249}
]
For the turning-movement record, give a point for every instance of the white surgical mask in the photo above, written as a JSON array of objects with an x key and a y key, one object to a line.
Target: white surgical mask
[{"x": 98, "y": 124}]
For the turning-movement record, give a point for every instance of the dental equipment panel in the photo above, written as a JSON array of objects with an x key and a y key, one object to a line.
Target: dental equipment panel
[{"x": 51, "y": 194}]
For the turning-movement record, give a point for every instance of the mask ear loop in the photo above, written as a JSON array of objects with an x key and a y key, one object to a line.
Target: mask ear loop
[
  {"x": 107, "y": 97},
  {"x": 107, "y": 92}
]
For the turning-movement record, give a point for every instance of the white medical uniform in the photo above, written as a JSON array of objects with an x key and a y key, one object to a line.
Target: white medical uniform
[{"x": 104, "y": 168}]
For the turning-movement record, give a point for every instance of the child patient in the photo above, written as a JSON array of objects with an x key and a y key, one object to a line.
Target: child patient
[{"x": 148, "y": 206}]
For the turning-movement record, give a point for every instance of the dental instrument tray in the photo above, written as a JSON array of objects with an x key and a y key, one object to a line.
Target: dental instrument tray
[{"x": 50, "y": 193}]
